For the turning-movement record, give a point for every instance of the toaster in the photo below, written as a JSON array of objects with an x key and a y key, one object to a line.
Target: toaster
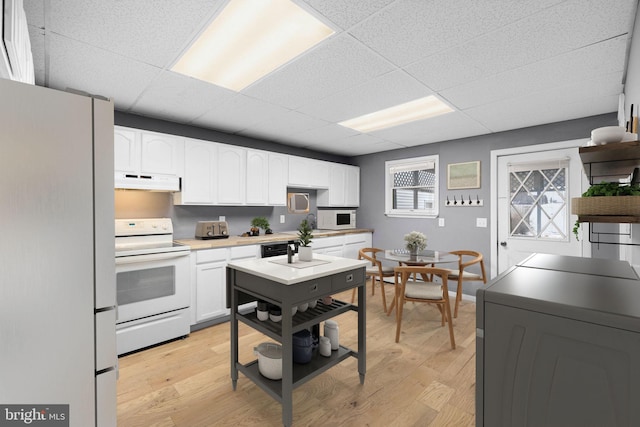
[{"x": 212, "y": 230}]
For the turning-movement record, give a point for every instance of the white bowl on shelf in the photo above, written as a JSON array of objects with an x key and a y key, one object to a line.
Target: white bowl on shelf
[{"x": 607, "y": 134}]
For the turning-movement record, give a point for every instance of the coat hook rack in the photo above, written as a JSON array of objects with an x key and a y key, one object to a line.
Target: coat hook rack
[{"x": 463, "y": 201}]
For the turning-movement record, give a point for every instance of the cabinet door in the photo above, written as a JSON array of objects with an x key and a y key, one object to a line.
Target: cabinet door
[
  {"x": 319, "y": 174},
  {"x": 308, "y": 173},
  {"x": 231, "y": 174},
  {"x": 546, "y": 370},
  {"x": 199, "y": 179},
  {"x": 352, "y": 186},
  {"x": 257, "y": 177},
  {"x": 278, "y": 175},
  {"x": 160, "y": 154},
  {"x": 126, "y": 150},
  {"x": 210, "y": 291},
  {"x": 355, "y": 242}
]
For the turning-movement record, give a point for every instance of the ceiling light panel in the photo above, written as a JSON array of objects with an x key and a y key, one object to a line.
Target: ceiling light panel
[
  {"x": 418, "y": 109},
  {"x": 248, "y": 40}
]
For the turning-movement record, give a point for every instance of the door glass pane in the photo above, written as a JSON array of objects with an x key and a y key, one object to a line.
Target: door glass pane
[
  {"x": 143, "y": 285},
  {"x": 538, "y": 203}
]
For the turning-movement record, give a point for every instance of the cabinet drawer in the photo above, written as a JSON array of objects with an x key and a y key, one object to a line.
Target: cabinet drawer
[
  {"x": 211, "y": 255},
  {"x": 293, "y": 294},
  {"x": 347, "y": 280}
]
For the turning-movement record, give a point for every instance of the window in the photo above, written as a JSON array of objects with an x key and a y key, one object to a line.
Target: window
[
  {"x": 539, "y": 201},
  {"x": 412, "y": 187}
]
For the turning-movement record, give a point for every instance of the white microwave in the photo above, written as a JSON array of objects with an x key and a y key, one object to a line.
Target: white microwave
[{"x": 333, "y": 219}]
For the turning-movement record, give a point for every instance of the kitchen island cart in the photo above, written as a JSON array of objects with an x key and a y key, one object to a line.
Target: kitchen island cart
[{"x": 288, "y": 285}]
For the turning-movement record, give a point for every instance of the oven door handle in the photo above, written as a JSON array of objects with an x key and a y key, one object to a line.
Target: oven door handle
[{"x": 150, "y": 257}]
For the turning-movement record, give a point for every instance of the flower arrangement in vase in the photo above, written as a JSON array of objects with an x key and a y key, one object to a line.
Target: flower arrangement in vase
[
  {"x": 304, "y": 237},
  {"x": 415, "y": 242}
]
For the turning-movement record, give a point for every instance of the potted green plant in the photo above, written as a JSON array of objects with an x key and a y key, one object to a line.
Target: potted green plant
[
  {"x": 606, "y": 199},
  {"x": 257, "y": 223},
  {"x": 304, "y": 237}
]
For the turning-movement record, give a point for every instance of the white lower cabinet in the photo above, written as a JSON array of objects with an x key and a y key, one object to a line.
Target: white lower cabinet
[
  {"x": 328, "y": 245},
  {"x": 208, "y": 295},
  {"x": 354, "y": 242},
  {"x": 208, "y": 280}
]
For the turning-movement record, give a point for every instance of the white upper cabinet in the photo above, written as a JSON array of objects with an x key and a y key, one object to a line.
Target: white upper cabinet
[
  {"x": 278, "y": 177},
  {"x": 141, "y": 152},
  {"x": 257, "y": 192},
  {"x": 308, "y": 173},
  {"x": 161, "y": 154},
  {"x": 232, "y": 174},
  {"x": 126, "y": 147},
  {"x": 199, "y": 182},
  {"x": 344, "y": 187}
]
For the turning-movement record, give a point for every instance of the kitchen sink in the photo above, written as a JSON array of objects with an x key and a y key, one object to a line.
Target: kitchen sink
[{"x": 313, "y": 232}]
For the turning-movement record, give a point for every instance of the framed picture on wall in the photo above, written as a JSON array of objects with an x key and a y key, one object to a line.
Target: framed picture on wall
[{"x": 463, "y": 175}]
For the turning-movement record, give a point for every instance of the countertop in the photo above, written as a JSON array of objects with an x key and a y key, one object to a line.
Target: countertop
[
  {"x": 277, "y": 269},
  {"x": 196, "y": 244}
]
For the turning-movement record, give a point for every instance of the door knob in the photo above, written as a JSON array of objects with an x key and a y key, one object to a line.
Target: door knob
[{"x": 503, "y": 243}]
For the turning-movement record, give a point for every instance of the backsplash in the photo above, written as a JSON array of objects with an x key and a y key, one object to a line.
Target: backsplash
[{"x": 147, "y": 204}]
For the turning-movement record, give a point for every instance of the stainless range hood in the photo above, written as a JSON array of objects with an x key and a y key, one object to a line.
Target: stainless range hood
[{"x": 156, "y": 182}]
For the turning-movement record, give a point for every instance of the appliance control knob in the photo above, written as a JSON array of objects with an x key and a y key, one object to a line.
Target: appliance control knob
[
  {"x": 210, "y": 233},
  {"x": 223, "y": 232}
]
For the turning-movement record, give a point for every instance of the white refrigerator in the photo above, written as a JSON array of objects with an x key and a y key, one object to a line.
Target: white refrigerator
[{"x": 57, "y": 273}]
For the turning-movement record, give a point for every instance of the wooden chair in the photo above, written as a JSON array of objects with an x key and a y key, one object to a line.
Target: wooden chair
[
  {"x": 376, "y": 272},
  {"x": 408, "y": 289},
  {"x": 466, "y": 260}
]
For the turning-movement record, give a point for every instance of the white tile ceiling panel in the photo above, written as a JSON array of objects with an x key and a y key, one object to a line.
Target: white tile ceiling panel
[
  {"x": 345, "y": 13},
  {"x": 568, "y": 102},
  {"x": 360, "y": 144},
  {"x": 384, "y": 91},
  {"x": 322, "y": 135},
  {"x": 179, "y": 98},
  {"x": 285, "y": 125},
  {"x": 552, "y": 32},
  {"x": 447, "y": 126},
  {"x": 76, "y": 65},
  {"x": 34, "y": 9},
  {"x": 36, "y": 37},
  {"x": 335, "y": 65},
  {"x": 238, "y": 113},
  {"x": 154, "y": 32},
  {"x": 409, "y": 30},
  {"x": 581, "y": 64},
  {"x": 507, "y": 63}
]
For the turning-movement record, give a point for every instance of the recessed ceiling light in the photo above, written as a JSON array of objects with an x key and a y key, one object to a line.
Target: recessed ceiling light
[
  {"x": 417, "y": 109},
  {"x": 248, "y": 40}
]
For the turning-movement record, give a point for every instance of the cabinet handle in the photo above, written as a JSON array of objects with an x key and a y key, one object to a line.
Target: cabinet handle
[
  {"x": 314, "y": 287},
  {"x": 349, "y": 278}
]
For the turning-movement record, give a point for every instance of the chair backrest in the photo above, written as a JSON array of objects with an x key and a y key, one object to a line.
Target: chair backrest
[
  {"x": 468, "y": 258},
  {"x": 370, "y": 254},
  {"x": 403, "y": 273}
]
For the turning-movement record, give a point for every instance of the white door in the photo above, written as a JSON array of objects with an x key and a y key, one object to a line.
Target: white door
[{"x": 534, "y": 204}]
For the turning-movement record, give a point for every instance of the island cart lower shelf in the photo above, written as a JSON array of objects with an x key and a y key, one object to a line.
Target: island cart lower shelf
[{"x": 287, "y": 287}]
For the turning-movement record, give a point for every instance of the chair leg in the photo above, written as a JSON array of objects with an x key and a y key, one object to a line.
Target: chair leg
[
  {"x": 447, "y": 309},
  {"x": 458, "y": 296},
  {"x": 384, "y": 295},
  {"x": 399, "y": 309},
  {"x": 353, "y": 295}
]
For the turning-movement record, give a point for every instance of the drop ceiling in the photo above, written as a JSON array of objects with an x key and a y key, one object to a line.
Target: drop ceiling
[{"x": 502, "y": 64}]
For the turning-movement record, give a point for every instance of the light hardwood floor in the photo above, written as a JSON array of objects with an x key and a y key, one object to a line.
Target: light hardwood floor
[{"x": 417, "y": 382}]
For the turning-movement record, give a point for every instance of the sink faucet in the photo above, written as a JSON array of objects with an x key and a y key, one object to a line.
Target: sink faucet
[
  {"x": 311, "y": 219},
  {"x": 289, "y": 253}
]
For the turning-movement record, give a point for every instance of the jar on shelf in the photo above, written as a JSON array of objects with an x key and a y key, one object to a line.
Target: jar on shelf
[
  {"x": 325, "y": 346},
  {"x": 332, "y": 332}
]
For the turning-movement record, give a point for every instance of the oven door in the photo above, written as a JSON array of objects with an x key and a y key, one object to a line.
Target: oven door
[{"x": 151, "y": 284}]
